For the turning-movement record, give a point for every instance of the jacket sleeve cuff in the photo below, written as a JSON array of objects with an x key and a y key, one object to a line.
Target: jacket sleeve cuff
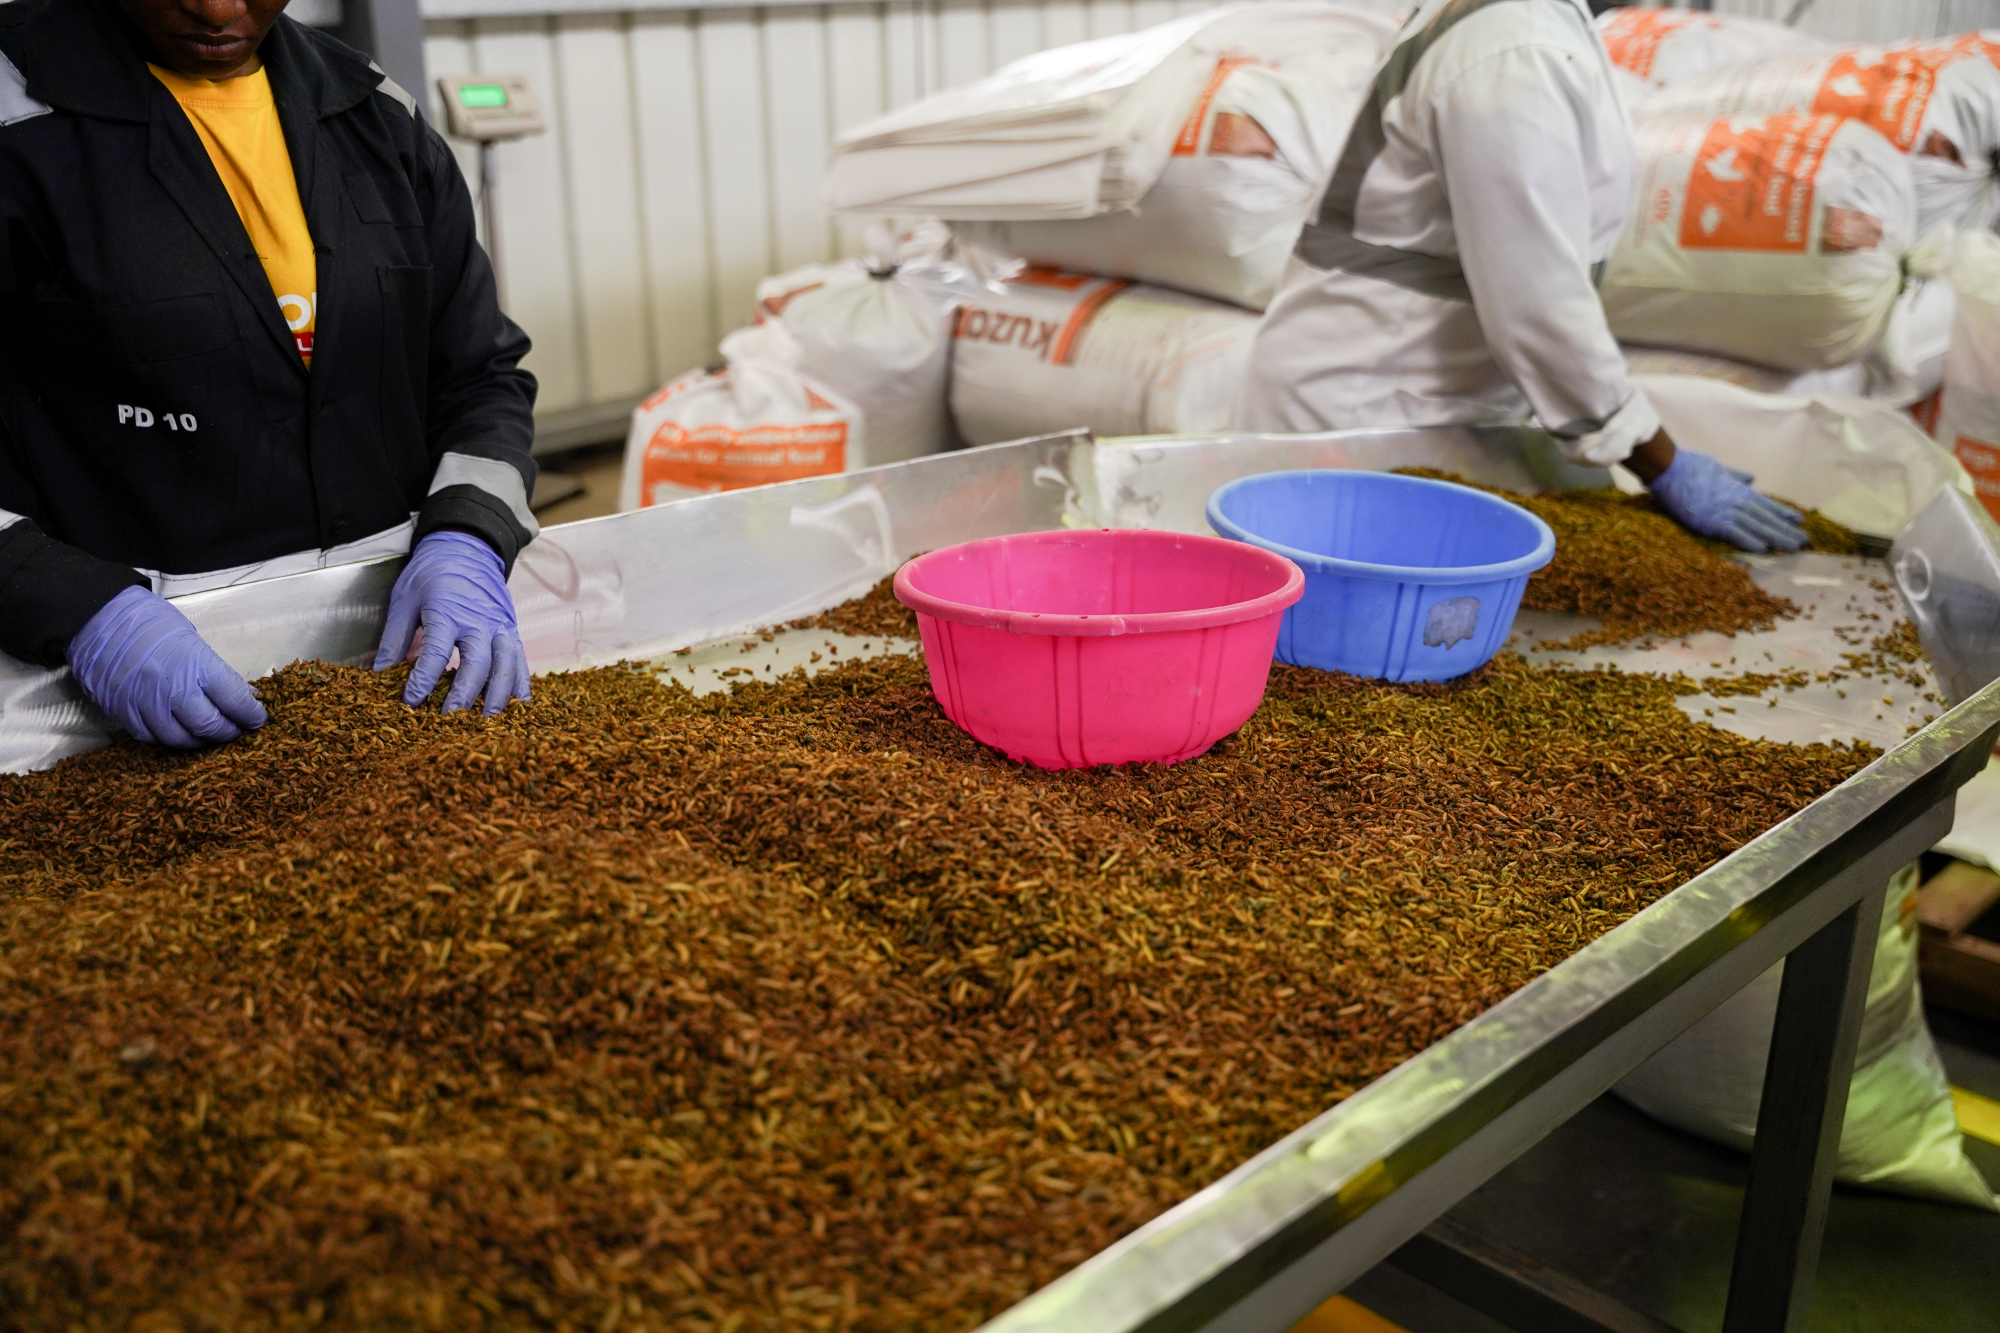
[
  {"x": 487, "y": 497},
  {"x": 1602, "y": 443},
  {"x": 49, "y": 589}
]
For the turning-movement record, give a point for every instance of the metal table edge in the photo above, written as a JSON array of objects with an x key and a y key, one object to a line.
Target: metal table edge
[{"x": 1357, "y": 1153}]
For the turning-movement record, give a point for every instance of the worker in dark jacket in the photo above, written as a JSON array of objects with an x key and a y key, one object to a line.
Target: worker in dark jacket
[{"x": 245, "y": 330}]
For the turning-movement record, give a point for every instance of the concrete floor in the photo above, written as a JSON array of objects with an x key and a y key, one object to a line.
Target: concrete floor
[
  {"x": 1647, "y": 1214},
  {"x": 597, "y": 470}
]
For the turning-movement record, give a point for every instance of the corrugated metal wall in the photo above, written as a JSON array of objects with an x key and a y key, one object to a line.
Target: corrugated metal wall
[
  {"x": 1875, "y": 20},
  {"x": 686, "y": 150},
  {"x": 685, "y": 155}
]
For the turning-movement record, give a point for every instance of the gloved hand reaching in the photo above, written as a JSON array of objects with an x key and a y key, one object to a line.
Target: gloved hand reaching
[
  {"x": 1717, "y": 501},
  {"x": 143, "y": 663},
  {"x": 456, "y": 588}
]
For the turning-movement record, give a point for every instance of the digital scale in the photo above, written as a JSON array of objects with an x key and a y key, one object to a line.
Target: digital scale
[{"x": 491, "y": 109}]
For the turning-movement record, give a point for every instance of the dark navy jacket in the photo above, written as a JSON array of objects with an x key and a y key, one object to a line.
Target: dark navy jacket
[{"x": 155, "y": 418}]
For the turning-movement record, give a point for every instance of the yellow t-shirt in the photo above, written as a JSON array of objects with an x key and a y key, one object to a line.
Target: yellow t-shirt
[{"x": 237, "y": 120}]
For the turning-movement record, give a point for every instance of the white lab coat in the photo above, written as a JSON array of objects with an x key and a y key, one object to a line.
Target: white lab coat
[{"x": 1508, "y": 150}]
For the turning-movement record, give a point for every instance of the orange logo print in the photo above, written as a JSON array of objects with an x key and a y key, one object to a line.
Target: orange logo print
[
  {"x": 1633, "y": 36},
  {"x": 1886, "y": 93},
  {"x": 1751, "y": 188},
  {"x": 1982, "y": 463}
]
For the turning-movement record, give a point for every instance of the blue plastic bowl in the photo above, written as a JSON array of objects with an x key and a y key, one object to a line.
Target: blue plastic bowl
[{"x": 1406, "y": 578}]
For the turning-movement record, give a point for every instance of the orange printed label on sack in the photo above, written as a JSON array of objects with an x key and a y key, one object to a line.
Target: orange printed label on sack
[
  {"x": 1888, "y": 90},
  {"x": 1982, "y": 464},
  {"x": 1632, "y": 36},
  {"x": 728, "y": 458},
  {"x": 1188, "y": 142},
  {"x": 1751, "y": 185},
  {"x": 1925, "y": 410},
  {"x": 1062, "y": 280},
  {"x": 773, "y": 306},
  {"x": 718, "y": 458},
  {"x": 1053, "y": 341}
]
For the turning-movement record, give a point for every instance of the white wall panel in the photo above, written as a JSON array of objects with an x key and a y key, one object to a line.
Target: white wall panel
[
  {"x": 681, "y": 300},
  {"x": 1016, "y": 31},
  {"x": 964, "y": 42},
  {"x": 687, "y": 148},
  {"x": 601, "y": 178},
  {"x": 736, "y": 129},
  {"x": 1875, "y": 20},
  {"x": 1108, "y": 18},
  {"x": 800, "y": 129},
  {"x": 537, "y": 245},
  {"x": 1065, "y": 21}
]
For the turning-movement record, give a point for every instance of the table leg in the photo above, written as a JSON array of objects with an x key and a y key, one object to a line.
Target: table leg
[{"x": 1798, "y": 1124}]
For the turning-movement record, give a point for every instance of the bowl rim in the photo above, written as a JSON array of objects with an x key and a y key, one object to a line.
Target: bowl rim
[
  {"x": 1543, "y": 553},
  {"x": 1067, "y": 625}
]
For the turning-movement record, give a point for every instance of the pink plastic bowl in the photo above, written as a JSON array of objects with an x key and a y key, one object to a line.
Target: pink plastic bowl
[{"x": 1067, "y": 649}]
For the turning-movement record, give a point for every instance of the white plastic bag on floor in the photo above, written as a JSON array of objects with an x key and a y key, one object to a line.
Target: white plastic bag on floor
[
  {"x": 1862, "y": 463},
  {"x": 1248, "y": 166},
  {"x": 1969, "y": 415},
  {"x": 1058, "y": 350},
  {"x": 1070, "y": 132},
  {"x": 756, "y": 421},
  {"x": 877, "y": 332},
  {"x": 1900, "y": 1135},
  {"x": 1779, "y": 241},
  {"x": 1937, "y": 100},
  {"x": 1666, "y": 46}
]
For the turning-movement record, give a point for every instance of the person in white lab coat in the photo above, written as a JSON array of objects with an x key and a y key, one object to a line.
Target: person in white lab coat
[{"x": 1449, "y": 276}]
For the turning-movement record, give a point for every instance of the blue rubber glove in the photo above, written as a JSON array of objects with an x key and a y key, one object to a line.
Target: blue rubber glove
[
  {"x": 1717, "y": 501},
  {"x": 144, "y": 664},
  {"x": 456, "y": 588}
]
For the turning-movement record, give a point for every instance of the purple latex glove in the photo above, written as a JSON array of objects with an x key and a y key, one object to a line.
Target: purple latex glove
[
  {"x": 1717, "y": 501},
  {"x": 456, "y": 588},
  {"x": 144, "y": 664}
]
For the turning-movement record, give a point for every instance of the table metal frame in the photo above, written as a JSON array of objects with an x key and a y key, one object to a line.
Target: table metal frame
[{"x": 1263, "y": 1246}]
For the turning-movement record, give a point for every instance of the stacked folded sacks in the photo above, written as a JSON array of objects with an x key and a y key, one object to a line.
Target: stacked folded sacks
[{"x": 1157, "y": 183}]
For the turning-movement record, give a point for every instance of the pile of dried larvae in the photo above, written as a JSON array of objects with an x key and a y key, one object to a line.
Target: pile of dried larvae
[
  {"x": 786, "y": 1008},
  {"x": 1620, "y": 559}
]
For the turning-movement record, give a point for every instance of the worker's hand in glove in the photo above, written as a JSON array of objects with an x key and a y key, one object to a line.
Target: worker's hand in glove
[
  {"x": 144, "y": 664},
  {"x": 1717, "y": 501},
  {"x": 455, "y": 588}
]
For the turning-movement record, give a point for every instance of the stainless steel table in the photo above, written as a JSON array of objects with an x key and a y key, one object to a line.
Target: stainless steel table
[{"x": 1264, "y": 1245}]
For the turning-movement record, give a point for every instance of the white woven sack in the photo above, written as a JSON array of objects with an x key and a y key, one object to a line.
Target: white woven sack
[
  {"x": 878, "y": 333},
  {"x": 1777, "y": 241},
  {"x": 755, "y": 421},
  {"x": 1969, "y": 416},
  {"x": 1247, "y": 167},
  {"x": 1900, "y": 1134},
  {"x": 1665, "y": 46},
  {"x": 1937, "y": 100},
  {"x": 1060, "y": 350}
]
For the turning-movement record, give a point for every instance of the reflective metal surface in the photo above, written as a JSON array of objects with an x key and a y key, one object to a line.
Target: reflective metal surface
[{"x": 1260, "y": 1247}]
